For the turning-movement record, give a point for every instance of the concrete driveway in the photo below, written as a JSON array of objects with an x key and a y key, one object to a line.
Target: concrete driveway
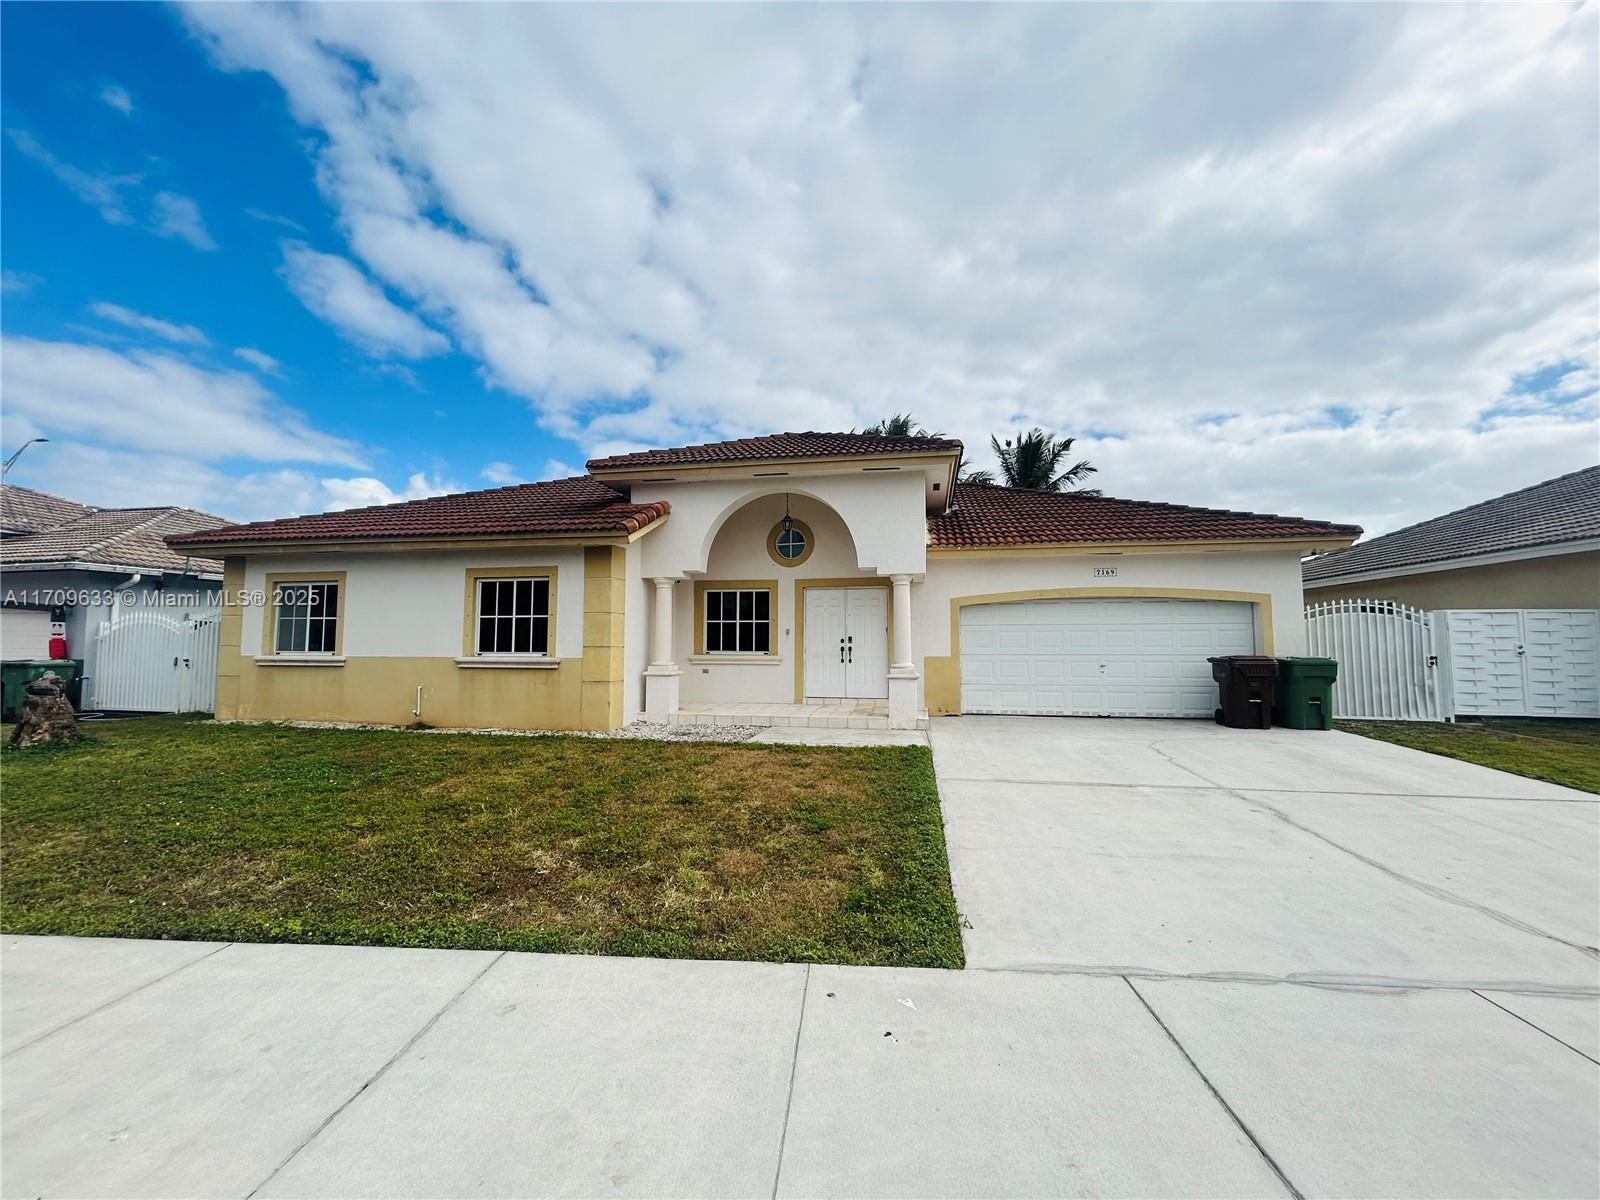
[{"x": 1192, "y": 974}]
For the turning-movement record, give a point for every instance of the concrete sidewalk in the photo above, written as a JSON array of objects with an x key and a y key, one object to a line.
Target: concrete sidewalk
[{"x": 166, "y": 1068}]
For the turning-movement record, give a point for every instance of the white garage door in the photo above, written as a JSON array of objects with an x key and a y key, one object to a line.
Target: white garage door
[
  {"x": 1099, "y": 658},
  {"x": 24, "y": 633}
]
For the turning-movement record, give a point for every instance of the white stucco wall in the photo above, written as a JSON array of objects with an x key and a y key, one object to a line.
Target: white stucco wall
[
  {"x": 1275, "y": 573},
  {"x": 411, "y": 605},
  {"x": 740, "y": 552},
  {"x": 885, "y": 512}
]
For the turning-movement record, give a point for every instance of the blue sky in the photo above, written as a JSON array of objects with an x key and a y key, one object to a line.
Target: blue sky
[{"x": 265, "y": 259}]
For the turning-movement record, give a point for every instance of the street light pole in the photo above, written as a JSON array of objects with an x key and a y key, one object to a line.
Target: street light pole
[{"x": 12, "y": 461}]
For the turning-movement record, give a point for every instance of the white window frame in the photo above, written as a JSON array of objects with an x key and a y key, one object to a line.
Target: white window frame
[
  {"x": 305, "y": 621},
  {"x": 706, "y": 620},
  {"x": 546, "y": 616}
]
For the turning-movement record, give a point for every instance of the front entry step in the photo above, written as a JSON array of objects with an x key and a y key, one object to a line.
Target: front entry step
[{"x": 813, "y": 714}]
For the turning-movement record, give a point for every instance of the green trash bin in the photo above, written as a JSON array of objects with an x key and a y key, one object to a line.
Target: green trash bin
[
  {"x": 1304, "y": 696},
  {"x": 16, "y": 675}
]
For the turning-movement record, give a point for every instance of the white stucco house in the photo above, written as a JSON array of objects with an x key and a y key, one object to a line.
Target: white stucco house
[{"x": 843, "y": 579}]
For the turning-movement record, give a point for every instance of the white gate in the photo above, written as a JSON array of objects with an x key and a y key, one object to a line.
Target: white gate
[
  {"x": 1388, "y": 660},
  {"x": 1534, "y": 662},
  {"x": 151, "y": 661}
]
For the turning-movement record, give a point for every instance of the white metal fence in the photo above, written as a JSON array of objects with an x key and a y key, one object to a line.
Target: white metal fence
[
  {"x": 1402, "y": 664},
  {"x": 150, "y": 661},
  {"x": 1538, "y": 662},
  {"x": 1389, "y": 661}
]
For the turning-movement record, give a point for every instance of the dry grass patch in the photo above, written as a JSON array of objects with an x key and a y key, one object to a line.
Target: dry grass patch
[{"x": 166, "y": 827}]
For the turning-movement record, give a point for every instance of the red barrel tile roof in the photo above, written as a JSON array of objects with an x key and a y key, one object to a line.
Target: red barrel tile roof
[
  {"x": 986, "y": 515},
  {"x": 775, "y": 446},
  {"x": 559, "y": 506}
]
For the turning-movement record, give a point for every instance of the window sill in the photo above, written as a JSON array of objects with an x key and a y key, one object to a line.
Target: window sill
[
  {"x": 736, "y": 660},
  {"x": 299, "y": 660},
  {"x": 493, "y": 662}
]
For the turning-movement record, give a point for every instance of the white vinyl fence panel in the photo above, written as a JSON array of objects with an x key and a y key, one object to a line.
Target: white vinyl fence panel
[
  {"x": 1536, "y": 662},
  {"x": 1389, "y": 667},
  {"x": 152, "y": 661}
]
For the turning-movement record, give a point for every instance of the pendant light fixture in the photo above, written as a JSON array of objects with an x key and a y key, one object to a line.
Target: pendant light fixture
[{"x": 788, "y": 521}]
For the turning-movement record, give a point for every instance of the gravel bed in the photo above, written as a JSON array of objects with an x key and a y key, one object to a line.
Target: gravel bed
[{"x": 639, "y": 730}]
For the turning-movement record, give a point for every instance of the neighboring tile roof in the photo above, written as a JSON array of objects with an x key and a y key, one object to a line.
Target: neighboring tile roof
[
  {"x": 122, "y": 537},
  {"x": 1564, "y": 509},
  {"x": 577, "y": 505},
  {"x": 23, "y": 510},
  {"x": 777, "y": 446},
  {"x": 987, "y": 515}
]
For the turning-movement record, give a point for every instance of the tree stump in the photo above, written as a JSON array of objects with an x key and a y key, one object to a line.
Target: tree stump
[{"x": 47, "y": 714}]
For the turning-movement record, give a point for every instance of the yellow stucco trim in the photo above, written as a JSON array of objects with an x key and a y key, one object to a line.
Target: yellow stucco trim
[
  {"x": 269, "y": 620},
  {"x": 801, "y": 586},
  {"x": 604, "y": 603},
  {"x": 230, "y": 634},
  {"x": 469, "y": 616},
  {"x": 772, "y": 543},
  {"x": 383, "y": 690},
  {"x": 1197, "y": 546},
  {"x": 942, "y": 673},
  {"x": 702, "y": 586}
]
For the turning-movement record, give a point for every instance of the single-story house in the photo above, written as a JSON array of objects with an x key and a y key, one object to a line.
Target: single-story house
[
  {"x": 1534, "y": 548},
  {"x": 78, "y": 565},
  {"x": 793, "y": 577}
]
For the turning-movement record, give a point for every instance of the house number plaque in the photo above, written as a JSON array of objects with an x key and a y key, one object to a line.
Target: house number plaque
[{"x": 1105, "y": 572}]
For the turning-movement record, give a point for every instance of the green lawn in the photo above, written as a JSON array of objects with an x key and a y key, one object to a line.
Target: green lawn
[
  {"x": 1565, "y": 752},
  {"x": 179, "y": 828}
]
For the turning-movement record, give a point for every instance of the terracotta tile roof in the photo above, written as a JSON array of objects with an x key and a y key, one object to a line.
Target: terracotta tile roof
[
  {"x": 558, "y": 506},
  {"x": 986, "y": 515},
  {"x": 1564, "y": 509},
  {"x": 777, "y": 446},
  {"x": 23, "y": 510},
  {"x": 122, "y": 537}
]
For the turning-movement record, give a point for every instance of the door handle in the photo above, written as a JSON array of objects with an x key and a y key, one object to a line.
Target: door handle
[{"x": 841, "y": 649}]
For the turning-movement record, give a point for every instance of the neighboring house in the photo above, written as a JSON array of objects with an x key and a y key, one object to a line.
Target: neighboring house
[
  {"x": 1535, "y": 548},
  {"x": 82, "y": 565},
  {"x": 769, "y": 571}
]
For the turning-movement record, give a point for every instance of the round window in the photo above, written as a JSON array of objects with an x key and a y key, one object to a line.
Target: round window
[
  {"x": 791, "y": 543},
  {"x": 792, "y": 546}
]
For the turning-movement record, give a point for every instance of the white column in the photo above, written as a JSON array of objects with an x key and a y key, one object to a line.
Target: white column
[
  {"x": 661, "y": 677},
  {"x": 902, "y": 624},
  {"x": 903, "y": 680},
  {"x": 661, "y": 627}
]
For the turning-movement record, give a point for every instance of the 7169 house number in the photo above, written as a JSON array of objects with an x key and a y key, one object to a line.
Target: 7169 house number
[{"x": 1105, "y": 572}]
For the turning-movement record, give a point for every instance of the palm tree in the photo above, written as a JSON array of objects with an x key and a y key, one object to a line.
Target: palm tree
[
  {"x": 1033, "y": 460},
  {"x": 898, "y": 425}
]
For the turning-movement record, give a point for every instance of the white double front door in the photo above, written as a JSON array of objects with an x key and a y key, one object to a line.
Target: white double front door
[{"x": 847, "y": 642}]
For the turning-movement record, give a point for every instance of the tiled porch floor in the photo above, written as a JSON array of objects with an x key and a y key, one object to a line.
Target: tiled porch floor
[{"x": 814, "y": 714}]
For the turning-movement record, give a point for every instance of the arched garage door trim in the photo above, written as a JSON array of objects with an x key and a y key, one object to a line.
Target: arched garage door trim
[{"x": 942, "y": 686}]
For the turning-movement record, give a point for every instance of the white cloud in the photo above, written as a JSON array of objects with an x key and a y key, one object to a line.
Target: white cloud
[
  {"x": 102, "y": 190},
  {"x": 364, "y": 491},
  {"x": 271, "y": 218},
  {"x": 113, "y": 477},
  {"x": 118, "y": 98},
  {"x": 501, "y": 474},
  {"x": 149, "y": 401},
  {"x": 185, "y": 335},
  {"x": 260, "y": 360},
  {"x": 169, "y": 214},
  {"x": 14, "y": 283},
  {"x": 340, "y": 294},
  {"x": 1287, "y": 260},
  {"x": 554, "y": 468},
  {"x": 178, "y": 216}
]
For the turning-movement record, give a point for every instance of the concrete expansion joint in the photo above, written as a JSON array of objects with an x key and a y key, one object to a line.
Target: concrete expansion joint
[
  {"x": 1367, "y": 984},
  {"x": 794, "y": 1063},
  {"x": 378, "y": 1074},
  {"x": 1216, "y": 1095},
  {"x": 115, "y": 1000}
]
